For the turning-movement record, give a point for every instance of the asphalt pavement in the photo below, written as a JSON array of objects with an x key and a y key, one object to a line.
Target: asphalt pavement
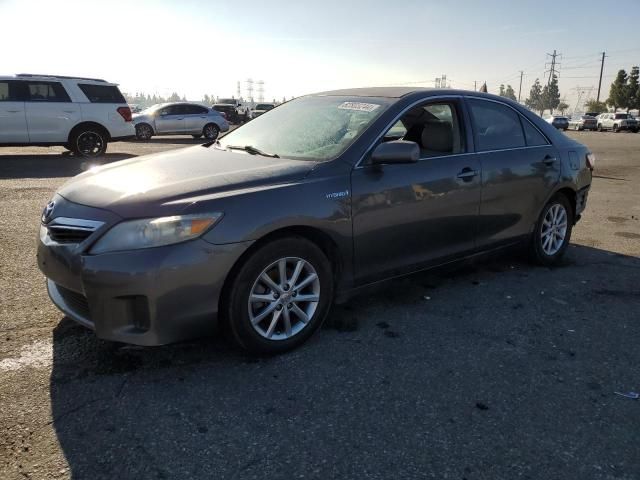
[{"x": 492, "y": 370}]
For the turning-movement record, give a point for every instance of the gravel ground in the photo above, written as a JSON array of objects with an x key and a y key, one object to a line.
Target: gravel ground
[{"x": 497, "y": 370}]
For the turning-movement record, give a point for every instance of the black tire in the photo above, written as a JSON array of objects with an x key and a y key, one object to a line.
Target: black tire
[
  {"x": 211, "y": 131},
  {"x": 537, "y": 250},
  {"x": 599, "y": 127},
  {"x": 615, "y": 128},
  {"x": 197, "y": 136},
  {"x": 144, "y": 131},
  {"x": 88, "y": 142},
  {"x": 235, "y": 304}
]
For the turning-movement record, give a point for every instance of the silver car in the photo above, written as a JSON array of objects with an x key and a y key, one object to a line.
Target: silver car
[{"x": 179, "y": 119}]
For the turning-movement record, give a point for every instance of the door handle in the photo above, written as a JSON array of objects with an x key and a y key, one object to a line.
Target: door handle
[
  {"x": 14, "y": 111},
  {"x": 69, "y": 111},
  {"x": 467, "y": 174},
  {"x": 549, "y": 160}
]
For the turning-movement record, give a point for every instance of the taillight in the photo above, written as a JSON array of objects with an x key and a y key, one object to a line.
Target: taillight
[
  {"x": 125, "y": 112},
  {"x": 591, "y": 161}
]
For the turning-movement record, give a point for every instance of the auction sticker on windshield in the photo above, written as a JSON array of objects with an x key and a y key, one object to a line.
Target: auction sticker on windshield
[{"x": 361, "y": 107}]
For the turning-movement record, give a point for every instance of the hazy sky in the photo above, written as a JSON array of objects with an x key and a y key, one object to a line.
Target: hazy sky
[{"x": 297, "y": 47}]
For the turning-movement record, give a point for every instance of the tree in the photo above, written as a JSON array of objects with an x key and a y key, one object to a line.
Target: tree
[
  {"x": 619, "y": 91},
  {"x": 501, "y": 93},
  {"x": 534, "y": 102},
  {"x": 551, "y": 94},
  {"x": 509, "y": 93},
  {"x": 634, "y": 89},
  {"x": 174, "y": 97},
  {"x": 594, "y": 106},
  {"x": 562, "y": 106}
]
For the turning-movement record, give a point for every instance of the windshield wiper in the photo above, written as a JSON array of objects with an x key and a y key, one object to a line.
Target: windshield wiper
[{"x": 252, "y": 150}]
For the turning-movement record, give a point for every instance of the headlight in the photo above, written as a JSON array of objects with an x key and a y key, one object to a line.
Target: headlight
[{"x": 154, "y": 232}]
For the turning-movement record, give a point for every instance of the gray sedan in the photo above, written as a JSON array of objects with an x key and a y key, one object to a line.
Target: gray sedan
[
  {"x": 179, "y": 119},
  {"x": 323, "y": 196}
]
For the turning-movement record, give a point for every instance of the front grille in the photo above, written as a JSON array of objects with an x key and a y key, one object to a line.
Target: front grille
[
  {"x": 75, "y": 301},
  {"x": 71, "y": 230},
  {"x": 68, "y": 234}
]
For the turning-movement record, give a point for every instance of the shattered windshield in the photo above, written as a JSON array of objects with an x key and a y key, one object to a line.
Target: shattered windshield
[{"x": 314, "y": 128}]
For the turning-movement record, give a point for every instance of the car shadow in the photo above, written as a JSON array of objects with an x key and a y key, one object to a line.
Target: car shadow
[
  {"x": 467, "y": 356},
  {"x": 173, "y": 140},
  {"x": 52, "y": 165}
]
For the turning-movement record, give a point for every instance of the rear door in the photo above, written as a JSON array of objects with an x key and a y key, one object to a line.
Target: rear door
[
  {"x": 170, "y": 119},
  {"x": 13, "y": 120},
  {"x": 195, "y": 118},
  {"x": 520, "y": 169},
  {"x": 50, "y": 113}
]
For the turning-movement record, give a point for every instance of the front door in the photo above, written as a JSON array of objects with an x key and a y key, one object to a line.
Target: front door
[
  {"x": 406, "y": 216},
  {"x": 170, "y": 119},
  {"x": 13, "y": 121}
]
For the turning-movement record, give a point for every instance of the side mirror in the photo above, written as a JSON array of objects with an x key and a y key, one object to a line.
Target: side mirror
[{"x": 397, "y": 151}]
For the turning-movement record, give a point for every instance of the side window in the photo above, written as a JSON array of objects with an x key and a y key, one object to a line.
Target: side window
[
  {"x": 102, "y": 93},
  {"x": 4, "y": 92},
  {"x": 396, "y": 132},
  {"x": 497, "y": 126},
  {"x": 46, "y": 92},
  {"x": 199, "y": 110},
  {"x": 533, "y": 137},
  {"x": 435, "y": 127}
]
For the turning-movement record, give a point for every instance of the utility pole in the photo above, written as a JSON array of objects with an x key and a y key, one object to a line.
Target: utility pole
[
  {"x": 600, "y": 82},
  {"x": 552, "y": 71},
  {"x": 475, "y": 85},
  {"x": 520, "y": 89}
]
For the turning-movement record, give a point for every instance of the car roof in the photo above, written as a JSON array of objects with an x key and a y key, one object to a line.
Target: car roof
[{"x": 49, "y": 78}]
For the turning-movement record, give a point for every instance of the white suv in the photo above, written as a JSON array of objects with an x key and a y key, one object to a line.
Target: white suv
[
  {"x": 81, "y": 114},
  {"x": 616, "y": 122}
]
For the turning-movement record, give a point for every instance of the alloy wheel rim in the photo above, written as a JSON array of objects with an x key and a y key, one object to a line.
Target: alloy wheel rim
[
  {"x": 144, "y": 132},
  {"x": 554, "y": 229},
  {"x": 90, "y": 143},
  {"x": 210, "y": 132},
  {"x": 284, "y": 298}
]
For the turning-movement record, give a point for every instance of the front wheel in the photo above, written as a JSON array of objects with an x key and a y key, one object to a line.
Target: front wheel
[
  {"x": 279, "y": 296},
  {"x": 615, "y": 129},
  {"x": 599, "y": 127},
  {"x": 211, "y": 131},
  {"x": 553, "y": 231},
  {"x": 89, "y": 142}
]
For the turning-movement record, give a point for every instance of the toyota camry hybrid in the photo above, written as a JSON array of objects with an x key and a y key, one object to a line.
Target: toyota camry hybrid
[{"x": 264, "y": 228}]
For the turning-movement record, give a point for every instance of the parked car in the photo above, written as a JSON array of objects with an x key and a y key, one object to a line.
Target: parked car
[
  {"x": 81, "y": 114},
  {"x": 583, "y": 122},
  {"x": 235, "y": 110},
  {"x": 261, "y": 108},
  {"x": 179, "y": 119},
  {"x": 558, "y": 121},
  {"x": 616, "y": 122},
  {"x": 135, "y": 108},
  {"x": 326, "y": 194}
]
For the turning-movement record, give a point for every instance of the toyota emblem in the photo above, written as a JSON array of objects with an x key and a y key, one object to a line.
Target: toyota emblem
[{"x": 46, "y": 213}]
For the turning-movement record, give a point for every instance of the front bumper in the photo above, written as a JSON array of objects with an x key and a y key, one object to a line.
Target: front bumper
[{"x": 151, "y": 296}]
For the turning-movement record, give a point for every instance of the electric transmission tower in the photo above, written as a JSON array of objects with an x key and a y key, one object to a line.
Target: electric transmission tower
[
  {"x": 554, "y": 65},
  {"x": 249, "y": 89},
  {"x": 260, "y": 90}
]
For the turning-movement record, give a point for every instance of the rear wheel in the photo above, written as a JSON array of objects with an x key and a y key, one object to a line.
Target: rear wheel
[
  {"x": 211, "y": 131},
  {"x": 552, "y": 233},
  {"x": 279, "y": 296},
  {"x": 89, "y": 142}
]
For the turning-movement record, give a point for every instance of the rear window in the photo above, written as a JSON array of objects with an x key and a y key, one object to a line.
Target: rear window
[{"x": 102, "y": 93}]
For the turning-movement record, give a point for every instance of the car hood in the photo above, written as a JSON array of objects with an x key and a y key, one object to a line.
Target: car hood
[{"x": 166, "y": 183}]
